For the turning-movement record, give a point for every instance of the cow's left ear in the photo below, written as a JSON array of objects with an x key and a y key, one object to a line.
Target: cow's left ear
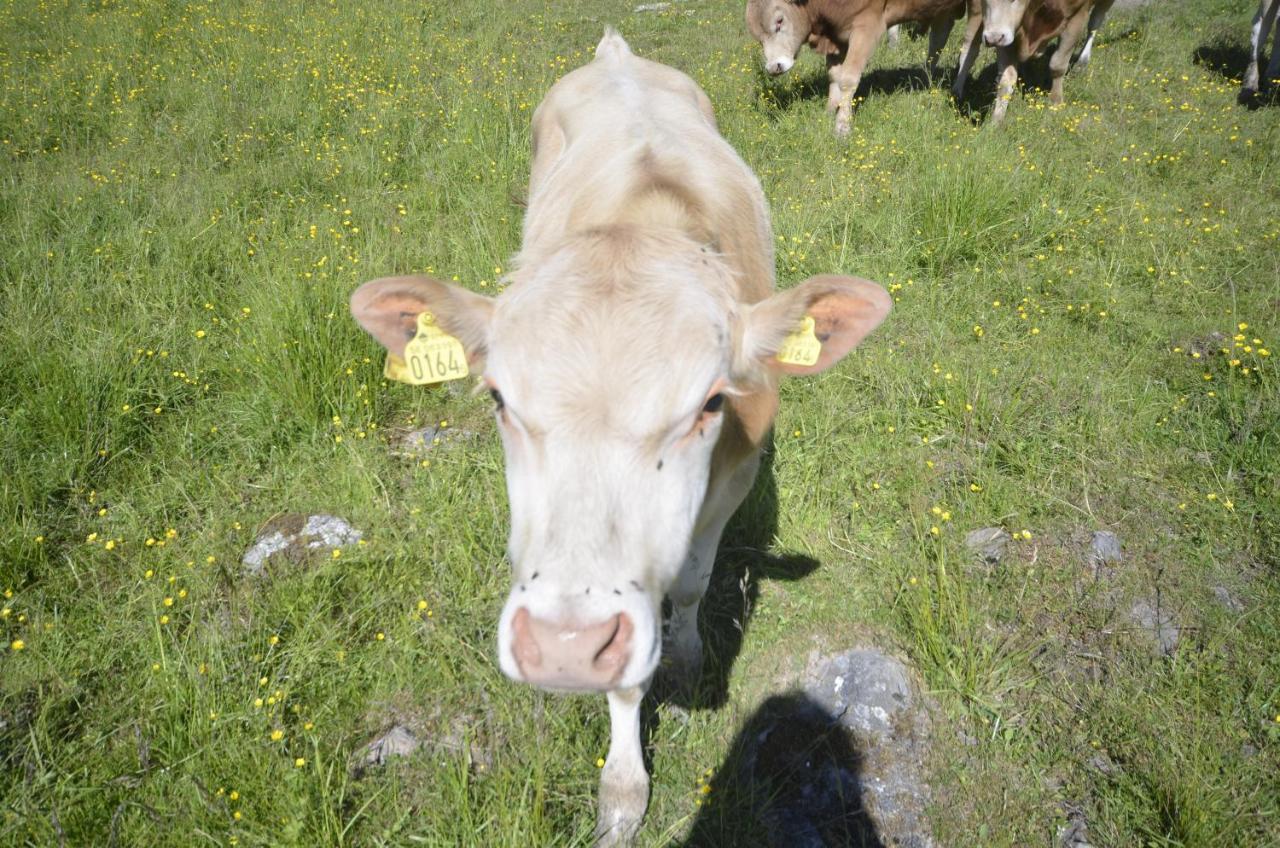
[
  {"x": 388, "y": 309},
  {"x": 843, "y": 311}
]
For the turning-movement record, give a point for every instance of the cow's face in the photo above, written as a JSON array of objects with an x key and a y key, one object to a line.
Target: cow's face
[
  {"x": 782, "y": 28},
  {"x": 612, "y": 367},
  {"x": 1000, "y": 20}
]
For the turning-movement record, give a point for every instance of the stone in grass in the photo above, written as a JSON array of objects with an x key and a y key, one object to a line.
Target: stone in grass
[
  {"x": 1105, "y": 547},
  {"x": 1159, "y": 626},
  {"x": 1075, "y": 833},
  {"x": 1228, "y": 600},
  {"x": 413, "y": 443},
  {"x": 988, "y": 543},
  {"x": 295, "y": 536},
  {"x": 399, "y": 741}
]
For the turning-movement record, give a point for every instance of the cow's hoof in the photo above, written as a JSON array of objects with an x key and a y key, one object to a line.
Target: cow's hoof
[
  {"x": 957, "y": 92},
  {"x": 842, "y": 128},
  {"x": 622, "y": 806}
]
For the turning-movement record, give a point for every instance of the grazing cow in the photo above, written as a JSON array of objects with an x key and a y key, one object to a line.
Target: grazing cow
[
  {"x": 846, "y": 31},
  {"x": 633, "y": 363},
  {"x": 1263, "y": 22},
  {"x": 1021, "y": 29}
]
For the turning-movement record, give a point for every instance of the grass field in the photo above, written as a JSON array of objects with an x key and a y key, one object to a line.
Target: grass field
[{"x": 1088, "y": 301}]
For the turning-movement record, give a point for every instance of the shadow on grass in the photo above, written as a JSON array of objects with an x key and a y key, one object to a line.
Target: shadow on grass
[
  {"x": 792, "y": 778},
  {"x": 1229, "y": 59},
  {"x": 776, "y": 99}
]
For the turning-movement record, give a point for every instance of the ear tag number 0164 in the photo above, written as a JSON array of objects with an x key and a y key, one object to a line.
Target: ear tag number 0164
[
  {"x": 432, "y": 356},
  {"x": 801, "y": 347}
]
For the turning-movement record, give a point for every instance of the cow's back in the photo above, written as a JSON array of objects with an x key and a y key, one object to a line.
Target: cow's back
[{"x": 623, "y": 141}]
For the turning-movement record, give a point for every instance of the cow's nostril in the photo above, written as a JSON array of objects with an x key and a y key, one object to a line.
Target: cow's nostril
[
  {"x": 613, "y": 655},
  {"x": 523, "y": 643}
]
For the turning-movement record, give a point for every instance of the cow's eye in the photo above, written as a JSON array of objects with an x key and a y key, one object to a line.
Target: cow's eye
[
  {"x": 714, "y": 403},
  {"x": 498, "y": 404}
]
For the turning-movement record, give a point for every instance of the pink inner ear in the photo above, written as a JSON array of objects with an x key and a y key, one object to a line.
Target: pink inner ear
[{"x": 841, "y": 320}]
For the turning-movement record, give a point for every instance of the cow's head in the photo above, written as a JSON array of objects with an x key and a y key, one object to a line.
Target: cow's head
[
  {"x": 781, "y": 27},
  {"x": 613, "y": 364},
  {"x": 1000, "y": 20}
]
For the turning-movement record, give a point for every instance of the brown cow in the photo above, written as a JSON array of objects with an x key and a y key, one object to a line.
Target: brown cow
[
  {"x": 633, "y": 363},
  {"x": 846, "y": 31},
  {"x": 1021, "y": 29}
]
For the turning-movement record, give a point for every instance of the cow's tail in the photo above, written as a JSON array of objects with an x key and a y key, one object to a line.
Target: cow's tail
[{"x": 612, "y": 46}]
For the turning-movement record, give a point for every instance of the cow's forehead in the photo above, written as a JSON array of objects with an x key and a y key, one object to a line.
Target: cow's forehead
[{"x": 625, "y": 344}]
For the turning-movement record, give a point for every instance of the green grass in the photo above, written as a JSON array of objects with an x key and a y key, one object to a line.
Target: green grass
[{"x": 191, "y": 191}]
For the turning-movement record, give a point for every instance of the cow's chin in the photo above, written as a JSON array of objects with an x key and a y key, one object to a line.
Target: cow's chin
[{"x": 615, "y": 644}]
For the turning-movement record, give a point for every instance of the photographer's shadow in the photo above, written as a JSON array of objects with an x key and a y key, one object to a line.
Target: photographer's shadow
[{"x": 792, "y": 778}]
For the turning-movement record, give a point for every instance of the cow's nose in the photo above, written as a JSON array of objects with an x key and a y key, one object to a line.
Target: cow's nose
[
  {"x": 777, "y": 66},
  {"x": 997, "y": 38},
  {"x": 565, "y": 655}
]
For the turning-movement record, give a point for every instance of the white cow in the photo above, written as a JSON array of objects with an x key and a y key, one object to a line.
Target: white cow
[
  {"x": 633, "y": 366},
  {"x": 1263, "y": 22}
]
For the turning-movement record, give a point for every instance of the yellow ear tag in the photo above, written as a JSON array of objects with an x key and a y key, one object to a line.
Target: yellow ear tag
[
  {"x": 431, "y": 356},
  {"x": 801, "y": 347}
]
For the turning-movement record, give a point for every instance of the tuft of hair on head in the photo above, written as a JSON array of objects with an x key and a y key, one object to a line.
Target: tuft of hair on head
[{"x": 612, "y": 45}]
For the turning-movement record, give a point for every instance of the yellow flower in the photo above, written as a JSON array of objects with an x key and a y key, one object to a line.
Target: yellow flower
[
  {"x": 600, "y": 760},
  {"x": 380, "y": 636},
  {"x": 277, "y": 735},
  {"x": 164, "y": 619},
  {"x": 273, "y": 639},
  {"x": 422, "y": 605},
  {"x": 168, "y": 602},
  {"x": 17, "y": 645},
  {"x": 299, "y": 762}
]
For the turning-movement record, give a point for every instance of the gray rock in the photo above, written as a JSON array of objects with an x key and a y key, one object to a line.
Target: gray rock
[
  {"x": 399, "y": 741},
  {"x": 1105, "y": 547},
  {"x": 1075, "y": 833},
  {"x": 294, "y": 536},
  {"x": 1159, "y": 626},
  {"x": 414, "y": 443},
  {"x": 989, "y": 543},
  {"x": 1228, "y": 600},
  {"x": 865, "y": 689},
  {"x": 1104, "y": 764}
]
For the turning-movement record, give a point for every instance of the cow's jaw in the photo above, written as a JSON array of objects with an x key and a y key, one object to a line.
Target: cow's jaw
[
  {"x": 1000, "y": 20},
  {"x": 607, "y": 467}
]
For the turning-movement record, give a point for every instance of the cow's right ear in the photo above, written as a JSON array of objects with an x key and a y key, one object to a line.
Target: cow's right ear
[{"x": 388, "y": 309}]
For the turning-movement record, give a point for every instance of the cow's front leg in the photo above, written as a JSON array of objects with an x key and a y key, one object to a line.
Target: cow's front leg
[
  {"x": 682, "y": 658},
  {"x": 846, "y": 76},
  {"x": 624, "y": 784},
  {"x": 968, "y": 52},
  {"x": 1007, "y": 78},
  {"x": 939, "y": 32}
]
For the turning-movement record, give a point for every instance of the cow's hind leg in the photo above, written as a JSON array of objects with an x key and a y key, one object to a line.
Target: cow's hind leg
[
  {"x": 1257, "y": 43},
  {"x": 1096, "y": 17},
  {"x": 846, "y": 76},
  {"x": 624, "y": 784},
  {"x": 1272, "y": 26},
  {"x": 1060, "y": 61}
]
